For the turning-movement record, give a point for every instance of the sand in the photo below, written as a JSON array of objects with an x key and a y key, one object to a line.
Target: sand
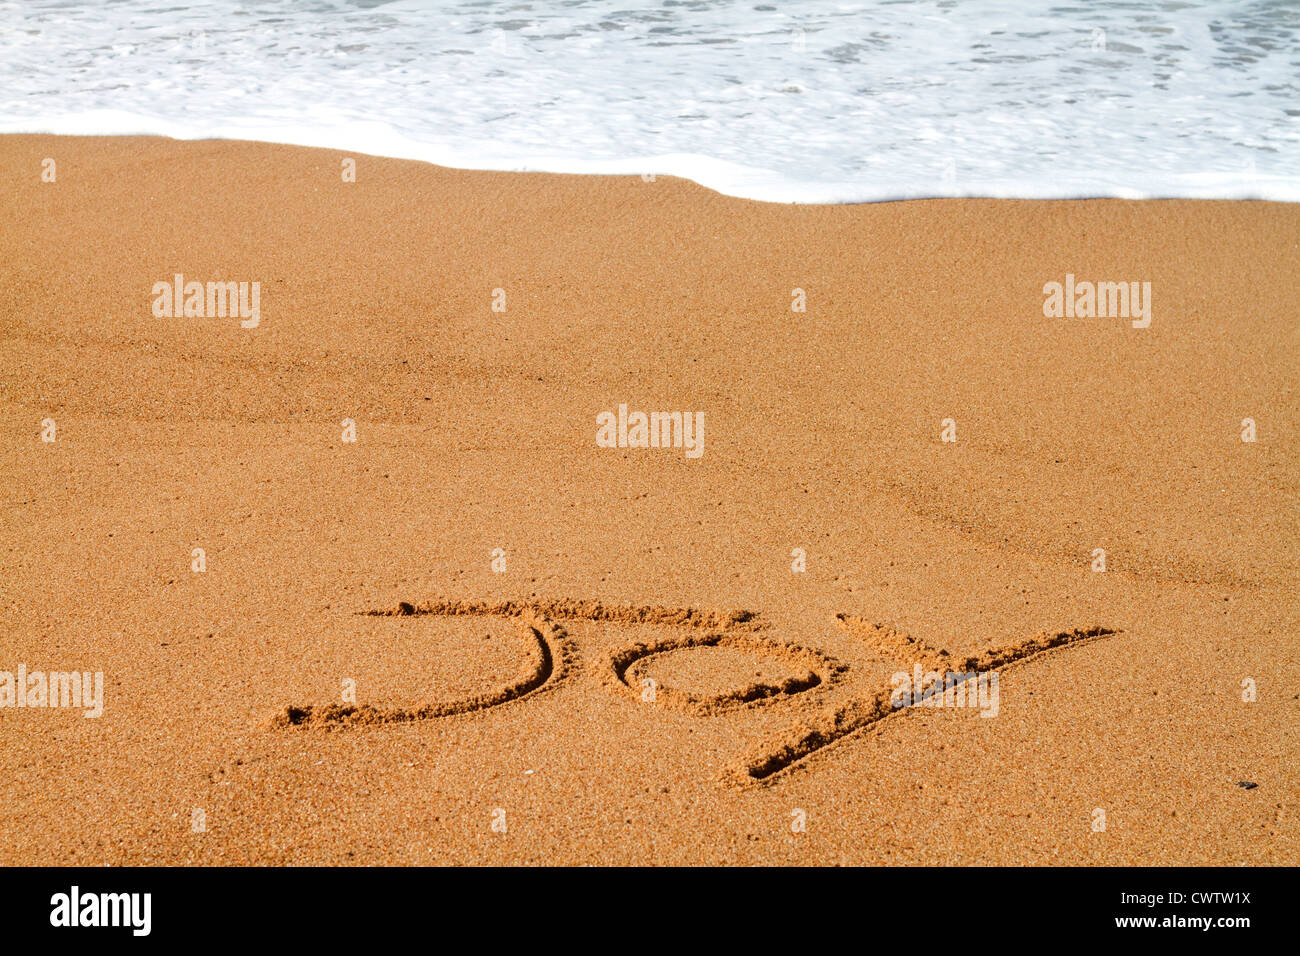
[{"x": 498, "y": 710}]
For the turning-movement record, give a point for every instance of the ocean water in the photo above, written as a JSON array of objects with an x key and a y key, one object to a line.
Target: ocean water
[{"x": 817, "y": 101}]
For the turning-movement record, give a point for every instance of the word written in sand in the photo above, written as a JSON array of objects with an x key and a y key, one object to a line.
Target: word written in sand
[
  {"x": 651, "y": 430},
  {"x": 1091, "y": 300},
  {"x": 216, "y": 300}
]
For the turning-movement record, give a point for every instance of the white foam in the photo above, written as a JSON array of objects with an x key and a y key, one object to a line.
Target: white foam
[{"x": 820, "y": 102}]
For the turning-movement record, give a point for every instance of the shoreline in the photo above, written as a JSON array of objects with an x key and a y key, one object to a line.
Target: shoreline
[{"x": 710, "y": 172}]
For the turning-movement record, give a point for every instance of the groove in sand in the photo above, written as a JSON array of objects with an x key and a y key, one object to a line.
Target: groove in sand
[
  {"x": 780, "y": 755},
  {"x": 818, "y": 668},
  {"x": 550, "y": 653},
  {"x": 549, "y": 658}
]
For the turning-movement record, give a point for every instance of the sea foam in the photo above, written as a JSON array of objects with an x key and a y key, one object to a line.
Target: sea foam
[{"x": 816, "y": 102}]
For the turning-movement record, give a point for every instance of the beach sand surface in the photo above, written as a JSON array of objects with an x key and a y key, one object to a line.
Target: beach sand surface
[{"x": 505, "y": 719}]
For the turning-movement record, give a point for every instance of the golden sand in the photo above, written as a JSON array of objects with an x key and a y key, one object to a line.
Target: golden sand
[{"x": 359, "y": 675}]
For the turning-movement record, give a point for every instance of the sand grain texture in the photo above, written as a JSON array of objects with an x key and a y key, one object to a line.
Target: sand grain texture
[{"x": 476, "y": 430}]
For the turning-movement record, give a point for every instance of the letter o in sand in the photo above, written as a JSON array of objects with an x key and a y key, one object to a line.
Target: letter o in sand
[{"x": 706, "y": 674}]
